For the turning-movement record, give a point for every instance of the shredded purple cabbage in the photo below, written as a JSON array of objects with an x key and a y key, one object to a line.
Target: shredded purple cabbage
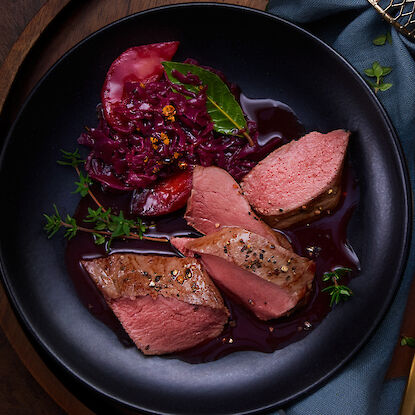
[{"x": 146, "y": 144}]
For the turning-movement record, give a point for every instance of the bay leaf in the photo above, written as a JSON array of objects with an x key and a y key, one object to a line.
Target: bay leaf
[{"x": 227, "y": 115}]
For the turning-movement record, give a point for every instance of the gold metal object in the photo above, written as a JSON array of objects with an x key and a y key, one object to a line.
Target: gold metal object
[
  {"x": 408, "y": 402},
  {"x": 399, "y": 13}
]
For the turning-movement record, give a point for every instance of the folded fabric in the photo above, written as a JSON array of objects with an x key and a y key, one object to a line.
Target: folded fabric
[{"x": 350, "y": 26}]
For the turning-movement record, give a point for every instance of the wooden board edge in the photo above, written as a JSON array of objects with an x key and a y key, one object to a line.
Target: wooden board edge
[
  {"x": 8, "y": 321},
  {"x": 34, "y": 364},
  {"x": 25, "y": 42}
]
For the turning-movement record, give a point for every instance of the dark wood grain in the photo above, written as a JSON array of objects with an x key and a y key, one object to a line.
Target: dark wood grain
[
  {"x": 14, "y": 16},
  {"x": 25, "y": 42},
  {"x": 19, "y": 391}
]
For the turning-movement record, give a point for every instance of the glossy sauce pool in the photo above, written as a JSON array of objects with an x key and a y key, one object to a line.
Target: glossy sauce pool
[{"x": 323, "y": 240}]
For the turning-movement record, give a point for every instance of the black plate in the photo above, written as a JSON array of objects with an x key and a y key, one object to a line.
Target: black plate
[{"x": 267, "y": 57}]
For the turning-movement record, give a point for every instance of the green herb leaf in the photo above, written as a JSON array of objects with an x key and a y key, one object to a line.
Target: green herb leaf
[
  {"x": 373, "y": 85},
  {"x": 377, "y": 69},
  {"x": 385, "y": 86},
  {"x": 120, "y": 226},
  {"x": 226, "y": 113},
  {"x": 83, "y": 184},
  {"x": 98, "y": 215},
  {"x": 327, "y": 276},
  {"x": 337, "y": 292},
  {"x": 386, "y": 70},
  {"x": 407, "y": 341},
  {"x": 72, "y": 227},
  {"x": 99, "y": 239},
  {"x": 53, "y": 222},
  {"x": 71, "y": 159},
  {"x": 370, "y": 72},
  {"x": 100, "y": 226},
  {"x": 341, "y": 272},
  {"x": 141, "y": 227},
  {"x": 380, "y": 40}
]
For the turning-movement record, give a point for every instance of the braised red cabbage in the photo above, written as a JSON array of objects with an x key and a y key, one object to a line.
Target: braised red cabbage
[{"x": 163, "y": 128}]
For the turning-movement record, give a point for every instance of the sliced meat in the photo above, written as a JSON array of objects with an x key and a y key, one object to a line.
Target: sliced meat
[
  {"x": 217, "y": 201},
  {"x": 266, "y": 300},
  {"x": 299, "y": 181},
  {"x": 180, "y": 244},
  {"x": 165, "y": 304},
  {"x": 166, "y": 325},
  {"x": 266, "y": 278}
]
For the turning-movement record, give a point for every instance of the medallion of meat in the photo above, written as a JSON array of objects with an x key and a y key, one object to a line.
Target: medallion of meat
[
  {"x": 266, "y": 278},
  {"x": 165, "y": 304},
  {"x": 217, "y": 201},
  {"x": 299, "y": 181}
]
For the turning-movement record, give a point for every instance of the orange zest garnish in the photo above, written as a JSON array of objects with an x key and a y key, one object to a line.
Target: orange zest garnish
[
  {"x": 169, "y": 110},
  {"x": 165, "y": 138}
]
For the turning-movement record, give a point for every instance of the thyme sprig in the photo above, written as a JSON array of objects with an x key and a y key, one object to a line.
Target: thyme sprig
[
  {"x": 106, "y": 224},
  {"x": 337, "y": 292},
  {"x": 74, "y": 160},
  {"x": 118, "y": 225},
  {"x": 104, "y": 231},
  {"x": 55, "y": 222},
  {"x": 379, "y": 72}
]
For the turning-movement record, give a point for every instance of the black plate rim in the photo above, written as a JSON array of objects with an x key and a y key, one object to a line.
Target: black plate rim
[{"x": 403, "y": 174}]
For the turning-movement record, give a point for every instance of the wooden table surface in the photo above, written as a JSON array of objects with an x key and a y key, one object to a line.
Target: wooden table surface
[
  {"x": 20, "y": 393},
  {"x": 27, "y": 386}
]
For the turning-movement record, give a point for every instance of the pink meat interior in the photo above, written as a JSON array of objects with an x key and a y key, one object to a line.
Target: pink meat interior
[
  {"x": 263, "y": 298},
  {"x": 164, "y": 325},
  {"x": 297, "y": 172}
]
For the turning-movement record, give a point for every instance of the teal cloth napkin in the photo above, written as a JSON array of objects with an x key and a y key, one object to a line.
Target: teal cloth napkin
[{"x": 350, "y": 26}]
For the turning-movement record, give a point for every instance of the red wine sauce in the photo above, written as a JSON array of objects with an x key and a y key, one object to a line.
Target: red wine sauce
[{"x": 323, "y": 240}]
